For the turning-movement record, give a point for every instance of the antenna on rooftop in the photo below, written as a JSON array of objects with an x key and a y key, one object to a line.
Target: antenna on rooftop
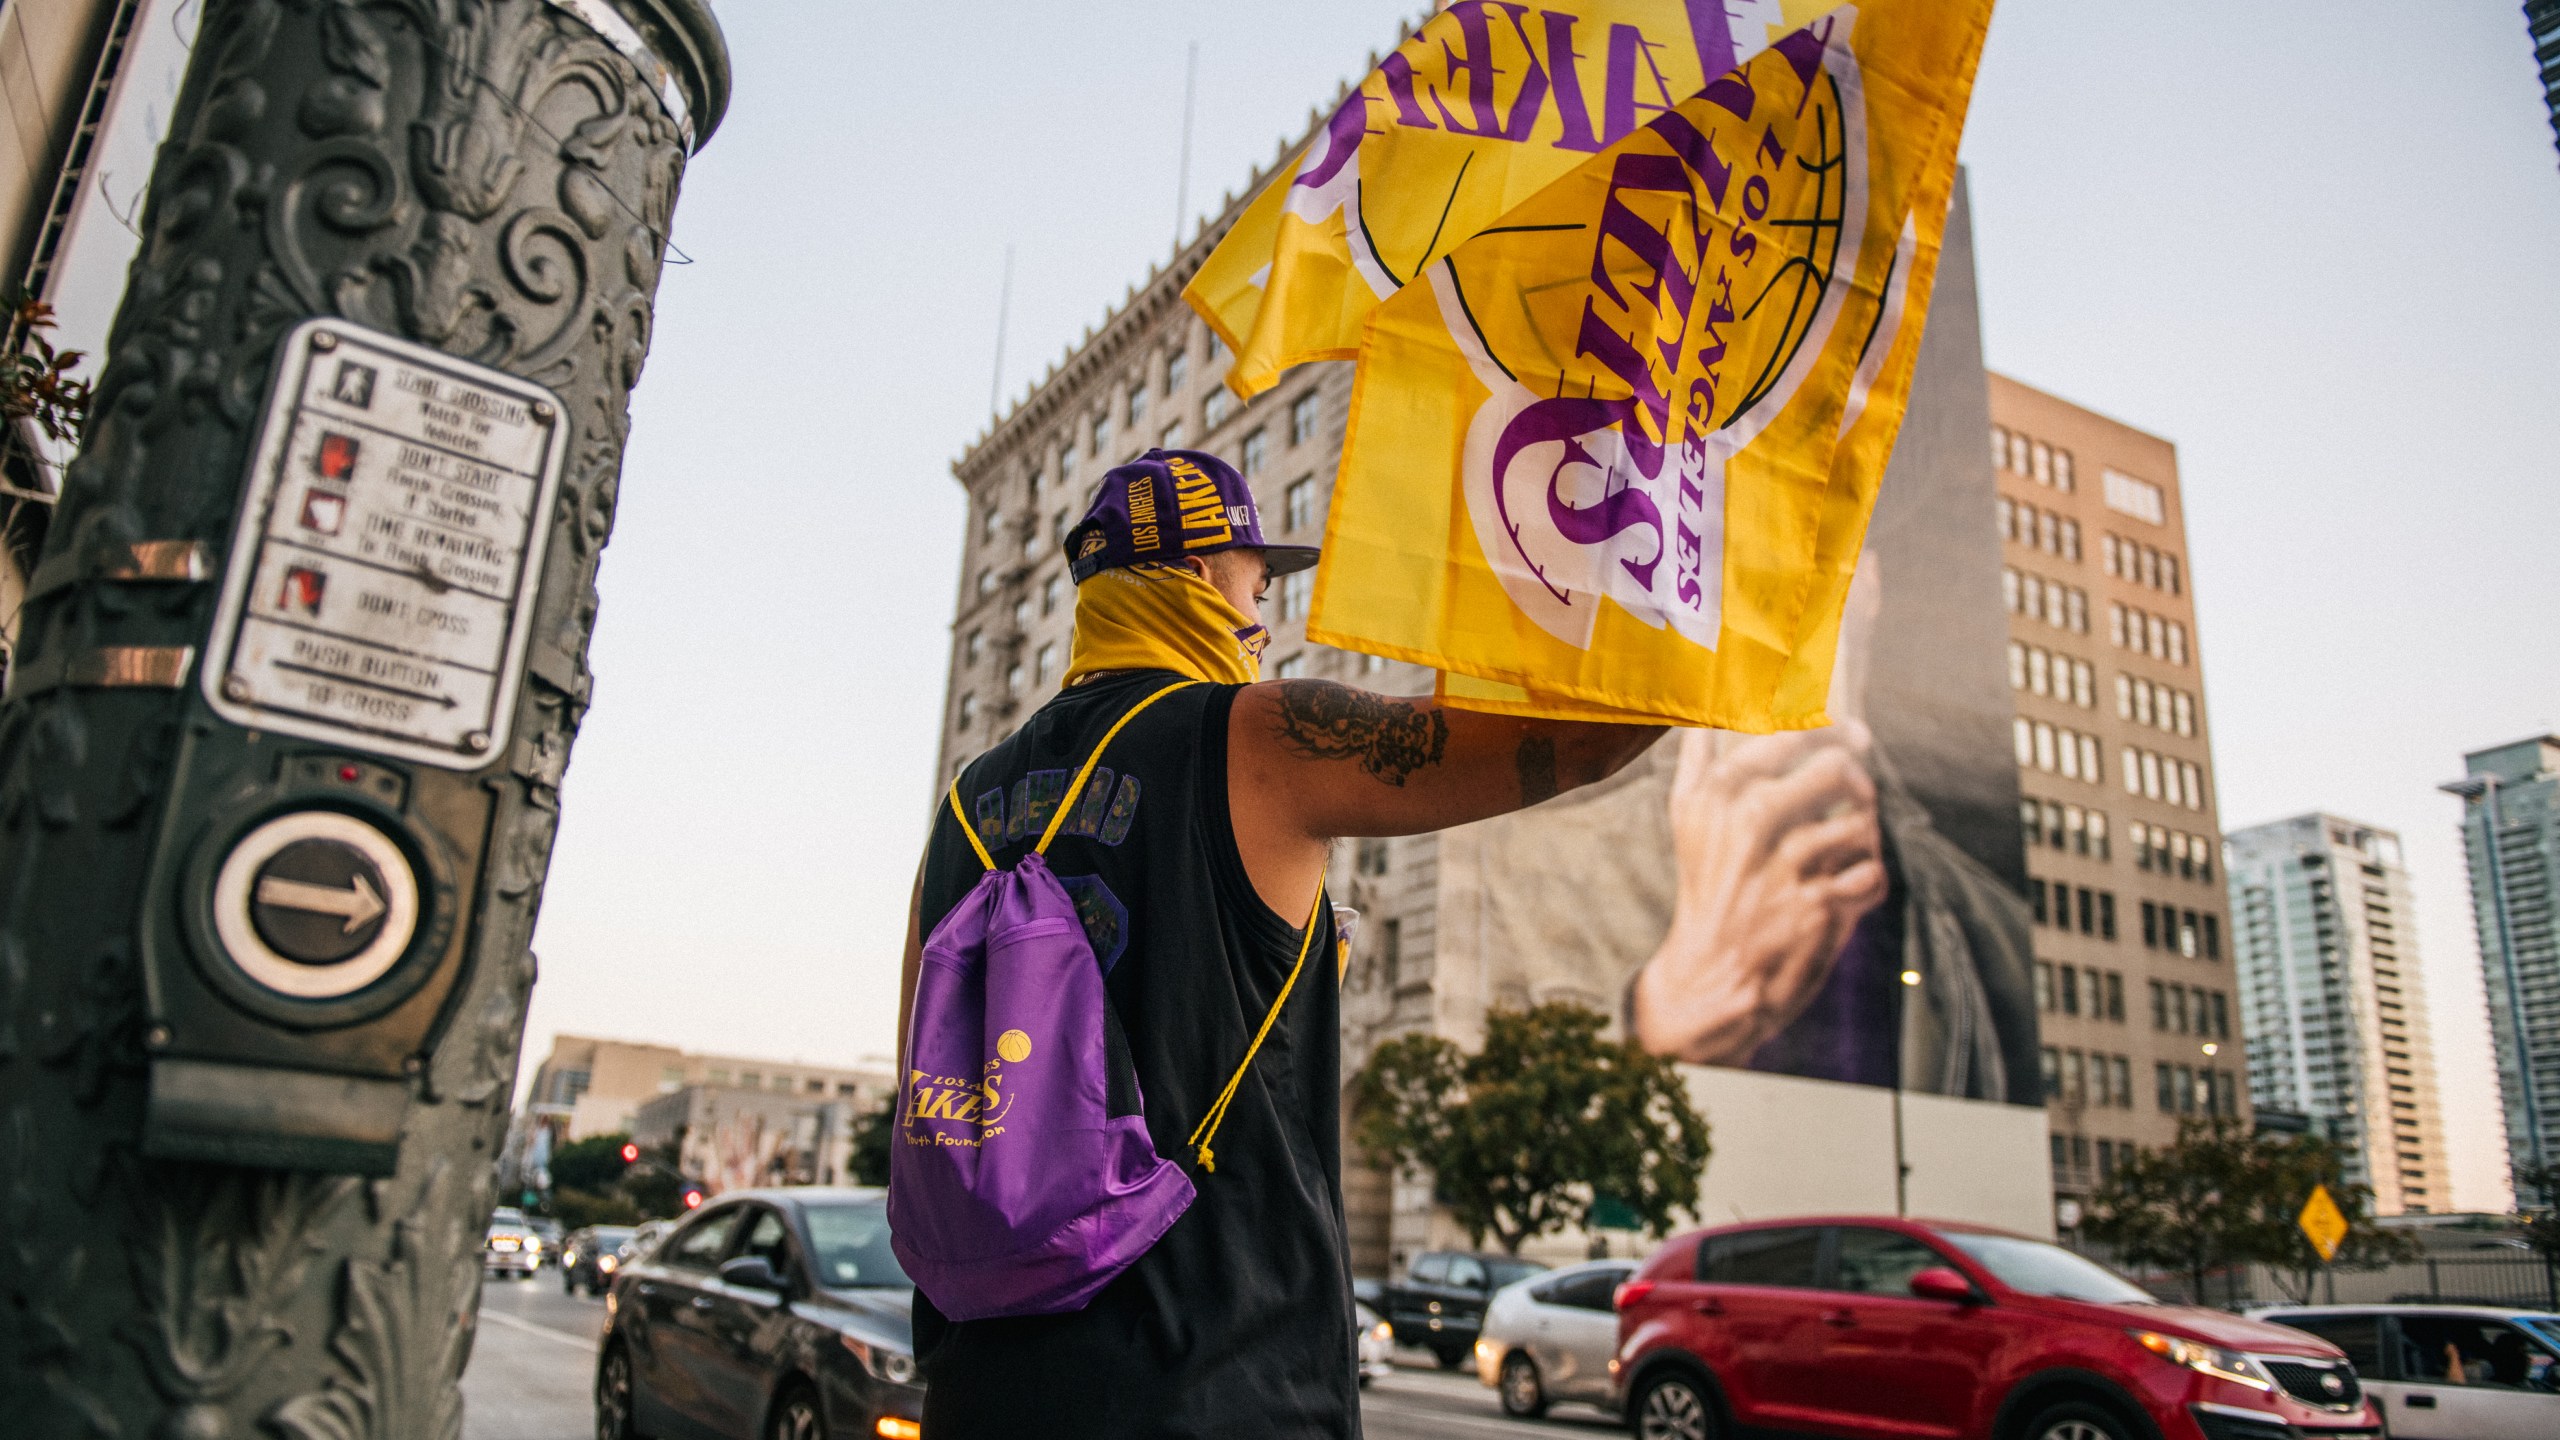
[
  {"x": 1182, "y": 186},
  {"x": 1004, "y": 307}
]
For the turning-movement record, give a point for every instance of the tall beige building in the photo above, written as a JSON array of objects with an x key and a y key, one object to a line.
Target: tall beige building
[
  {"x": 2134, "y": 972},
  {"x": 2326, "y": 939}
]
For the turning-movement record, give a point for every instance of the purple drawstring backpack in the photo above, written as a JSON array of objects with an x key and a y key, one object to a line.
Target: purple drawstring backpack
[{"x": 1012, "y": 1188}]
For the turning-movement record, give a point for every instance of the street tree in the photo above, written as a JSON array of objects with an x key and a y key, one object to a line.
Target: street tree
[
  {"x": 2220, "y": 1197},
  {"x": 594, "y": 1164},
  {"x": 1525, "y": 1136},
  {"x": 872, "y": 1132},
  {"x": 2538, "y": 1198}
]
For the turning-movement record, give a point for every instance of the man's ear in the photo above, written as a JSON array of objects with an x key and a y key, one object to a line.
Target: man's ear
[{"x": 1197, "y": 565}]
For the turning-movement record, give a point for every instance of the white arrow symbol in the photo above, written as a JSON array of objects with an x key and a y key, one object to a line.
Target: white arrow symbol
[{"x": 359, "y": 905}]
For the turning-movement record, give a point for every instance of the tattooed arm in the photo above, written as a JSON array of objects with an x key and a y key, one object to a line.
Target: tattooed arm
[{"x": 1309, "y": 761}]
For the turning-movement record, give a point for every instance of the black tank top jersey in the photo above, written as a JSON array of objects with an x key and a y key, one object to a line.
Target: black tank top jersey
[{"x": 1238, "y": 1323}]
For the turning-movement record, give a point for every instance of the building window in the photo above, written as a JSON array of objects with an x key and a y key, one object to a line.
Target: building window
[
  {"x": 1052, "y": 590},
  {"x": 1302, "y": 419},
  {"x": 972, "y": 647},
  {"x": 1013, "y": 680},
  {"x": 1391, "y": 953},
  {"x": 1172, "y": 437},
  {"x": 967, "y": 711},
  {"x": 1296, "y": 589},
  {"x": 1046, "y": 663},
  {"x": 2115, "y": 986},
  {"x": 988, "y": 580},
  {"x": 1214, "y": 410},
  {"x": 1291, "y": 668},
  {"x": 1999, "y": 448},
  {"x": 1257, "y": 446},
  {"x": 1299, "y": 509},
  {"x": 1022, "y": 613},
  {"x": 2062, "y": 473},
  {"x": 990, "y": 526},
  {"x": 2138, "y": 498},
  {"x": 1137, "y": 403},
  {"x": 1177, "y": 369},
  {"x": 1100, "y": 436}
]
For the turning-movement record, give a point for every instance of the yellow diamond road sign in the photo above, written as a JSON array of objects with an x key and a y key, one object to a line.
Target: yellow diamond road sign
[{"x": 2323, "y": 1223}]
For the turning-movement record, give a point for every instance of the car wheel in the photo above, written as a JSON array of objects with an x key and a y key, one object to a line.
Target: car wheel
[
  {"x": 1522, "y": 1395},
  {"x": 795, "y": 1416},
  {"x": 613, "y": 1397},
  {"x": 2077, "y": 1420},
  {"x": 1672, "y": 1407}
]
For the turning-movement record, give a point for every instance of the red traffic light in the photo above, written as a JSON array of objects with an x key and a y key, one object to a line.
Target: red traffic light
[
  {"x": 692, "y": 1198},
  {"x": 630, "y": 1153}
]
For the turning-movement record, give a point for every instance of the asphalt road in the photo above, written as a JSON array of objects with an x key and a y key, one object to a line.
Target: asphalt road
[{"x": 533, "y": 1369}]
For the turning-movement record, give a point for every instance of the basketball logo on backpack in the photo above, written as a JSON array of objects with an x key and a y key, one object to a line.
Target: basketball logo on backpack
[{"x": 947, "y": 1110}]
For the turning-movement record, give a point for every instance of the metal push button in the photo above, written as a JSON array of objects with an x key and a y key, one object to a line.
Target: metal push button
[{"x": 315, "y": 905}]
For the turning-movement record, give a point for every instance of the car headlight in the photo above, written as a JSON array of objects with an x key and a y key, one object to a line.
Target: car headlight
[
  {"x": 2206, "y": 1359},
  {"x": 1383, "y": 1333},
  {"x": 607, "y": 1264},
  {"x": 885, "y": 1362}
]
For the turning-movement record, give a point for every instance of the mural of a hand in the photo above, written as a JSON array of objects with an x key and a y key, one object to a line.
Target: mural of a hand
[{"x": 1779, "y": 857}]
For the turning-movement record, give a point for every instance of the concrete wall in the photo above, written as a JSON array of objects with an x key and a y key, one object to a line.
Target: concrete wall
[{"x": 1786, "y": 1146}]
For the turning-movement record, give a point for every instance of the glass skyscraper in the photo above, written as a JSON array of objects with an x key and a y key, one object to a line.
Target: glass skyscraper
[
  {"x": 2332, "y": 1002},
  {"x": 2511, "y": 837}
]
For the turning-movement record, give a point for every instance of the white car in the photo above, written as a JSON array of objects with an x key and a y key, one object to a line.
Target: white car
[
  {"x": 1377, "y": 1344},
  {"x": 1549, "y": 1338},
  {"x": 2446, "y": 1372}
]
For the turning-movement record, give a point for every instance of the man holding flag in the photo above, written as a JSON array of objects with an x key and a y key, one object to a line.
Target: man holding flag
[{"x": 1634, "y": 287}]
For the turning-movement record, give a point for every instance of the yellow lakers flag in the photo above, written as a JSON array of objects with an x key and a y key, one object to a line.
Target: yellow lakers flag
[
  {"x": 1613, "y": 456},
  {"x": 1479, "y": 110}
]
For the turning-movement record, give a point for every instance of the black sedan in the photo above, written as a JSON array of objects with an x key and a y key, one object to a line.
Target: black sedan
[
  {"x": 590, "y": 1257},
  {"x": 773, "y": 1313}
]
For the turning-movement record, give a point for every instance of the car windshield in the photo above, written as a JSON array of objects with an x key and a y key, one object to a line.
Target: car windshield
[
  {"x": 852, "y": 1243},
  {"x": 611, "y": 1235},
  {"x": 1506, "y": 1272},
  {"x": 2545, "y": 1328},
  {"x": 2032, "y": 1267}
]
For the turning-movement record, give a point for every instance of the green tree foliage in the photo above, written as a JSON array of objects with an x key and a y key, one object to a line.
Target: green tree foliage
[
  {"x": 2538, "y": 1196},
  {"x": 37, "y": 384},
  {"x": 2221, "y": 1197},
  {"x": 593, "y": 1164},
  {"x": 869, "y": 1162},
  {"x": 1523, "y": 1137},
  {"x": 578, "y": 1209}
]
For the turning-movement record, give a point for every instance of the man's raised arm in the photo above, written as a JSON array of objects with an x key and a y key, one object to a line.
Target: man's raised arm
[{"x": 1311, "y": 761}]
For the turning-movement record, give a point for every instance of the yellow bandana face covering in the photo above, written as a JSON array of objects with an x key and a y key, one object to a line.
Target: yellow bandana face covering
[{"x": 1162, "y": 617}]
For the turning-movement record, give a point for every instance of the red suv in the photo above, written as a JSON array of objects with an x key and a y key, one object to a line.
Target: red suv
[{"x": 1876, "y": 1329}]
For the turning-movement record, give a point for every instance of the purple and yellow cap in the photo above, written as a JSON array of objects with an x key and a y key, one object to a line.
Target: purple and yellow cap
[{"x": 1167, "y": 504}]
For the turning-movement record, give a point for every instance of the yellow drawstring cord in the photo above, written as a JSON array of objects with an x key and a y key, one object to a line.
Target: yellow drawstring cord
[{"x": 1218, "y": 1109}]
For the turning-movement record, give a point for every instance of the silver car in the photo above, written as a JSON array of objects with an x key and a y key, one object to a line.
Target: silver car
[
  {"x": 2446, "y": 1372},
  {"x": 1549, "y": 1338}
]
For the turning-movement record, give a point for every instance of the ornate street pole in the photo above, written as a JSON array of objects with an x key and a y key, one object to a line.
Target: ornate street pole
[{"x": 280, "y": 760}]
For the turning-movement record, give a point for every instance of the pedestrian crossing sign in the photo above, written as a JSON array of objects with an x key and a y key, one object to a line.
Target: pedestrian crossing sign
[{"x": 2323, "y": 1223}]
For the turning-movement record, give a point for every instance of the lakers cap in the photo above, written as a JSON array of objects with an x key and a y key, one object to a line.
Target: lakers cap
[{"x": 1168, "y": 504}]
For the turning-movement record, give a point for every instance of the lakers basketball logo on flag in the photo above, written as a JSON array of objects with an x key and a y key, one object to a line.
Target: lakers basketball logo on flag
[
  {"x": 1480, "y": 109},
  {"x": 1620, "y": 444}
]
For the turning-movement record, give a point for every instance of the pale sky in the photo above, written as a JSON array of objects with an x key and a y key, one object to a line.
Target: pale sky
[{"x": 2312, "y": 243}]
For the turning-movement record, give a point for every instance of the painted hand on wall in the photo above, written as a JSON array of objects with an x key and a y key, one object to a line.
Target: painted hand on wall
[{"x": 1779, "y": 857}]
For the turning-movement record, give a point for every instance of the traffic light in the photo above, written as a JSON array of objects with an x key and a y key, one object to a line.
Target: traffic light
[
  {"x": 691, "y": 1195},
  {"x": 630, "y": 1152}
]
